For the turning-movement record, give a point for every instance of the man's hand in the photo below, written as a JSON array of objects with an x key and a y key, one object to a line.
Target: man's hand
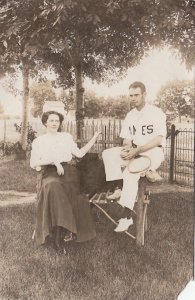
[
  {"x": 60, "y": 169},
  {"x": 129, "y": 152}
]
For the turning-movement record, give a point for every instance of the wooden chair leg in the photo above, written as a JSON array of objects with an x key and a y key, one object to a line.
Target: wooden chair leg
[
  {"x": 140, "y": 212},
  {"x": 146, "y": 203},
  {"x": 140, "y": 208},
  {"x": 145, "y": 216}
]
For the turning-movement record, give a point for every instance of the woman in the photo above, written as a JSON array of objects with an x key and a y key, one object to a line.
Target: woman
[{"x": 61, "y": 208}]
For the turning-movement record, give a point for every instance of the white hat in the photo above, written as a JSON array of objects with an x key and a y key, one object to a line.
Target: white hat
[{"x": 57, "y": 106}]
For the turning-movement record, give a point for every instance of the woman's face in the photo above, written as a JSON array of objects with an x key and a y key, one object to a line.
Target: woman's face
[{"x": 53, "y": 123}]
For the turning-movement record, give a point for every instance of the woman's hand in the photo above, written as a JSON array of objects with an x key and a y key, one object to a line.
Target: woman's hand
[
  {"x": 96, "y": 134},
  {"x": 60, "y": 169},
  {"x": 38, "y": 168}
]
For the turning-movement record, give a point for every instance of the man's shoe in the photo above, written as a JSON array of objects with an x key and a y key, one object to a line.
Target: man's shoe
[
  {"x": 153, "y": 176},
  {"x": 123, "y": 224},
  {"x": 116, "y": 195}
]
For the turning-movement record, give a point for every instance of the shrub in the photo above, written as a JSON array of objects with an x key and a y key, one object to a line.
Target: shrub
[
  {"x": 8, "y": 148},
  {"x": 31, "y": 132}
]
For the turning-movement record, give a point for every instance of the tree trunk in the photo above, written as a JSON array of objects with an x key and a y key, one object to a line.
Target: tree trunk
[
  {"x": 79, "y": 101},
  {"x": 179, "y": 117},
  {"x": 25, "y": 106}
]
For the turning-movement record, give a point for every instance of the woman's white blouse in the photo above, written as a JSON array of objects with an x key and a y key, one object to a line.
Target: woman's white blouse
[{"x": 58, "y": 147}]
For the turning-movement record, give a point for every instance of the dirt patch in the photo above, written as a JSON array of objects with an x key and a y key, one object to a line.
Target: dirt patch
[
  {"x": 8, "y": 199},
  {"x": 5, "y": 159},
  {"x": 14, "y": 197},
  {"x": 16, "y": 193}
]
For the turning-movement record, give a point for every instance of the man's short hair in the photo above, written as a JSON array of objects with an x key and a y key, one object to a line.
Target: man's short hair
[{"x": 138, "y": 84}]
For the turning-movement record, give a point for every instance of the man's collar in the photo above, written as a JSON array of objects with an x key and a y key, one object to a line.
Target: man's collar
[{"x": 143, "y": 108}]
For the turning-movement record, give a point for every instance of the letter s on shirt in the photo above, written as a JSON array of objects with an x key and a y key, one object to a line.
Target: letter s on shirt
[{"x": 147, "y": 129}]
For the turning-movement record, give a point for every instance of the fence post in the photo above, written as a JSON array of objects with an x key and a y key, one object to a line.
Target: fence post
[
  {"x": 105, "y": 136},
  {"x": 172, "y": 154}
]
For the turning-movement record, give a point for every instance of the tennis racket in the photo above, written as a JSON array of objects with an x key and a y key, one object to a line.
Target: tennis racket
[{"x": 139, "y": 164}]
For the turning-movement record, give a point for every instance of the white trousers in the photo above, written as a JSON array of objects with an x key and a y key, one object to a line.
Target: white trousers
[{"x": 113, "y": 163}]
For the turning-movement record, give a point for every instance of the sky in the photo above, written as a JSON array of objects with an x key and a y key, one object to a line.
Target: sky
[{"x": 155, "y": 70}]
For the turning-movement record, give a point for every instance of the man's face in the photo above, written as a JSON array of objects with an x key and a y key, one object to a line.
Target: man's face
[{"x": 137, "y": 98}]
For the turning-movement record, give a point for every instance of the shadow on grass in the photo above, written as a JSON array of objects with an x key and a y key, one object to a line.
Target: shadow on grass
[{"x": 108, "y": 267}]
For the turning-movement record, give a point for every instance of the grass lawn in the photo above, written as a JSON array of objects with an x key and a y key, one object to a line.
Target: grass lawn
[
  {"x": 110, "y": 266},
  {"x": 17, "y": 175}
]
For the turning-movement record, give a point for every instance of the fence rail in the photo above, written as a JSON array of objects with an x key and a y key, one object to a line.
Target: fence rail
[{"x": 178, "y": 166}]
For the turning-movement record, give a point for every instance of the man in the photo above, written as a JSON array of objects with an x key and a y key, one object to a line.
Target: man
[{"x": 144, "y": 134}]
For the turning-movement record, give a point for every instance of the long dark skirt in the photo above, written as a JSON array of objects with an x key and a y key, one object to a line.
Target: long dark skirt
[{"x": 61, "y": 204}]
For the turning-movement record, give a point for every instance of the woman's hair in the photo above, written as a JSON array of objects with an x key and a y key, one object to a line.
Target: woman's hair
[{"x": 46, "y": 115}]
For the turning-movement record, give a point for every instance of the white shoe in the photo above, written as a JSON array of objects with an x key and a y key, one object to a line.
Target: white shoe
[
  {"x": 116, "y": 195},
  {"x": 123, "y": 224},
  {"x": 153, "y": 176}
]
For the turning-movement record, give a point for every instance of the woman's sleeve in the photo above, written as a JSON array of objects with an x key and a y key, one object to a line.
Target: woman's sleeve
[
  {"x": 76, "y": 151},
  {"x": 81, "y": 152}
]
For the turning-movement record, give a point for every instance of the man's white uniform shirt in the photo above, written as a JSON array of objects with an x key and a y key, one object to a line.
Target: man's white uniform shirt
[{"x": 142, "y": 126}]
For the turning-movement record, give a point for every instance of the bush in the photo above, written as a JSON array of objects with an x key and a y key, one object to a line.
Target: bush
[
  {"x": 8, "y": 148},
  {"x": 31, "y": 132}
]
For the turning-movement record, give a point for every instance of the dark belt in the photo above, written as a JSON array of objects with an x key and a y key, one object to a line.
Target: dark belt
[{"x": 71, "y": 163}]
